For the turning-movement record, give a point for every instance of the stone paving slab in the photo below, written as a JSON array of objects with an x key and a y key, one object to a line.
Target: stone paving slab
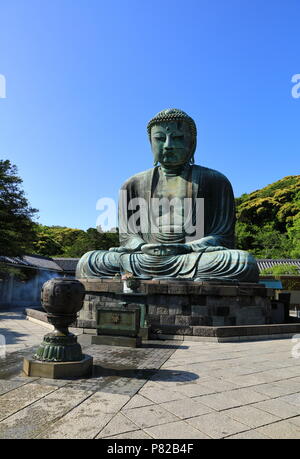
[
  {"x": 279, "y": 388},
  {"x": 278, "y": 407},
  {"x": 194, "y": 390},
  {"x": 186, "y": 408},
  {"x": 158, "y": 394},
  {"x": 136, "y": 435},
  {"x": 251, "y": 416},
  {"x": 217, "y": 425},
  {"x": 161, "y": 390},
  {"x": 295, "y": 420},
  {"x": 88, "y": 418},
  {"x": 149, "y": 416},
  {"x": 137, "y": 401},
  {"x": 19, "y": 398},
  {"x": 7, "y": 386},
  {"x": 281, "y": 430},
  {"x": 20, "y": 333},
  {"x": 293, "y": 399},
  {"x": 30, "y": 421},
  {"x": 119, "y": 424},
  {"x": 230, "y": 399},
  {"x": 249, "y": 435},
  {"x": 176, "y": 430}
]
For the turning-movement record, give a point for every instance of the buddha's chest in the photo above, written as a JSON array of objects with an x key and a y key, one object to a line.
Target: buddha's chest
[
  {"x": 171, "y": 187},
  {"x": 168, "y": 200}
]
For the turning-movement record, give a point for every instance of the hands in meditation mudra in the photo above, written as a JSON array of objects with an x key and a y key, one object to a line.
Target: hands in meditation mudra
[{"x": 177, "y": 219}]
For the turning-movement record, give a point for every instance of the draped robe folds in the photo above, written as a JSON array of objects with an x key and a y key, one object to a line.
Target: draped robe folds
[{"x": 212, "y": 255}]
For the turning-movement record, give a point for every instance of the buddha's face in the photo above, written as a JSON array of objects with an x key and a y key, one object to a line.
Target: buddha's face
[{"x": 171, "y": 143}]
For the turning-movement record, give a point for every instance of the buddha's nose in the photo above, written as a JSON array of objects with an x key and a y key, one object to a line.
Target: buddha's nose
[{"x": 168, "y": 143}]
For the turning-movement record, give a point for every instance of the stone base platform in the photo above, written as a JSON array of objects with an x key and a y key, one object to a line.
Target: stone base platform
[
  {"x": 58, "y": 370},
  {"x": 175, "y": 307},
  {"x": 236, "y": 334},
  {"x": 201, "y": 333}
]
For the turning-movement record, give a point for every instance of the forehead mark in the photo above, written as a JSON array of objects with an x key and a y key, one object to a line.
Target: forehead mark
[{"x": 168, "y": 127}]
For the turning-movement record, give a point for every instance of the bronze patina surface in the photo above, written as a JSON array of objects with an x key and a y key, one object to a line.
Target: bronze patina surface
[
  {"x": 152, "y": 248},
  {"x": 59, "y": 355},
  {"x": 62, "y": 298}
]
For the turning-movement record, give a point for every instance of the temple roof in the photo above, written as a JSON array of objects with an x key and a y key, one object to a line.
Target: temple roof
[
  {"x": 32, "y": 261},
  {"x": 264, "y": 263},
  {"x": 67, "y": 264}
]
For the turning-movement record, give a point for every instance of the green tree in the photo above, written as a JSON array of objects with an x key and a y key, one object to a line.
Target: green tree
[
  {"x": 92, "y": 240},
  {"x": 55, "y": 240},
  {"x": 16, "y": 225},
  {"x": 270, "y": 243},
  {"x": 268, "y": 220},
  {"x": 45, "y": 242},
  {"x": 61, "y": 241},
  {"x": 294, "y": 236}
]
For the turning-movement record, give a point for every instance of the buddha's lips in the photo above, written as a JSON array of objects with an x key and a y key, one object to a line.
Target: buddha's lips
[
  {"x": 168, "y": 156},
  {"x": 170, "y": 160},
  {"x": 171, "y": 156}
]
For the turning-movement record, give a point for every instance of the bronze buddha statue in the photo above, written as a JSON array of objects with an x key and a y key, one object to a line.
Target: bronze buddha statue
[{"x": 177, "y": 219}]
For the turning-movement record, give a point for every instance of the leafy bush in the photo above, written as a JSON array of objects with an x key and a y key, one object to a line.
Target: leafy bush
[
  {"x": 284, "y": 269},
  {"x": 268, "y": 220}
]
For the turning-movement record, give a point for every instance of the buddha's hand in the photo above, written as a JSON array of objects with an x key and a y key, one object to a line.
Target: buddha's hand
[
  {"x": 217, "y": 248},
  {"x": 120, "y": 250},
  {"x": 165, "y": 249}
]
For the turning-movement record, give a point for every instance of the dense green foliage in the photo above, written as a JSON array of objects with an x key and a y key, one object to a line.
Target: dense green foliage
[
  {"x": 268, "y": 220},
  {"x": 284, "y": 269},
  {"x": 16, "y": 225},
  {"x": 58, "y": 241}
]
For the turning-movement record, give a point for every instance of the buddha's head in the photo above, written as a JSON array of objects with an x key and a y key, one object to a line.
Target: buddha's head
[{"x": 173, "y": 136}]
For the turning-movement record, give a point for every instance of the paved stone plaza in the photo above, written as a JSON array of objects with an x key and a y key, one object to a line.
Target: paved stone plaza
[{"x": 192, "y": 390}]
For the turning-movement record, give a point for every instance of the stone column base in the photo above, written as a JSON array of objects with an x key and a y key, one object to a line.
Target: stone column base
[{"x": 58, "y": 370}]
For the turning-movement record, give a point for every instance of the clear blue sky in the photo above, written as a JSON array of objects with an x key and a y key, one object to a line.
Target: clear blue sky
[{"x": 85, "y": 76}]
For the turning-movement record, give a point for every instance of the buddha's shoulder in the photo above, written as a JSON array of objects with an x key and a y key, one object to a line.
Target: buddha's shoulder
[
  {"x": 139, "y": 178},
  {"x": 210, "y": 174}
]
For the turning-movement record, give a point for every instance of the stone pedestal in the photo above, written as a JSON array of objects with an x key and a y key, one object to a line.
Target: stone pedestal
[
  {"x": 181, "y": 307},
  {"x": 58, "y": 370},
  {"x": 60, "y": 355}
]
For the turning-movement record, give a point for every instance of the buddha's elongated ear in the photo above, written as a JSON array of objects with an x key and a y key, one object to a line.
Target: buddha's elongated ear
[
  {"x": 155, "y": 163},
  {"x": 193, "y": 151}
]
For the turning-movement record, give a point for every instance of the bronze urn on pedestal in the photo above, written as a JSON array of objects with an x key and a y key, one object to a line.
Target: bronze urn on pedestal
[
  {"x": 62, "y": 298},
  {"x": 60, "y": 355}
]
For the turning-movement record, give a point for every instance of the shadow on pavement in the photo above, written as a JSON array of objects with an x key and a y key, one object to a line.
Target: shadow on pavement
[
  {"x": 162, "y": 345},
  {"x": 160, "y": 375},
  {"x": 12, "y": 337}
]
